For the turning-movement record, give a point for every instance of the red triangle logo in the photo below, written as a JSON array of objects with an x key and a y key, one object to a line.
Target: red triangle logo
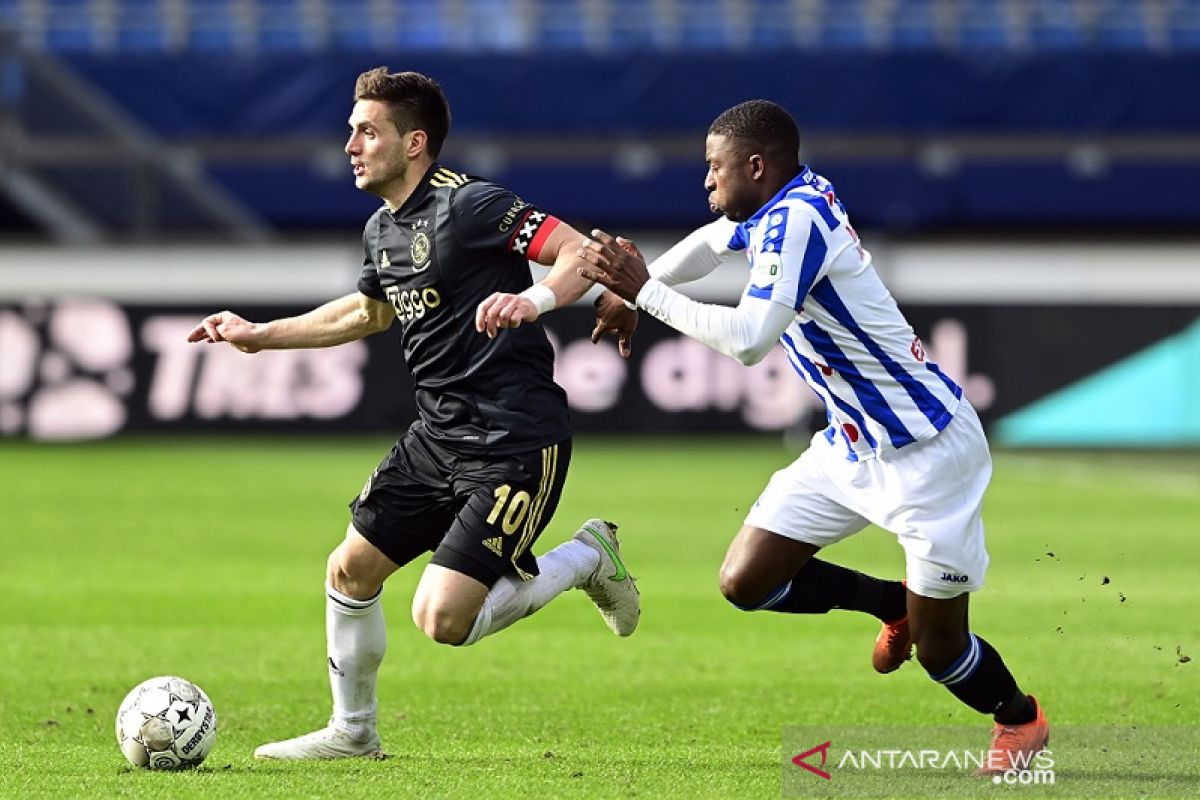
[{"x": 823, "y": 749}]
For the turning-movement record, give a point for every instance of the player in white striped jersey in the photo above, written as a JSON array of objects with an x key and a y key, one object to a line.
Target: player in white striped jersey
[{"x": 903, "y": 448}]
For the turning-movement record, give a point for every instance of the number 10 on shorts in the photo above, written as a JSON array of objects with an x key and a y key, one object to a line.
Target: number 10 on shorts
[{"x": 510, "y": 508}]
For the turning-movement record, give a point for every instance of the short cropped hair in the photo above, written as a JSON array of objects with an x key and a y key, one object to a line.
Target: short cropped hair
[
  {"x": 760, "y": 126},
  {"x": 415, "y": 102}
]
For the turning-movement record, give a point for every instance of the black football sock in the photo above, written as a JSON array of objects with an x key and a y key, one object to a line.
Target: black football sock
[
  {"x": 819, "y": 587},
  {"x": 980, "y": 679}
]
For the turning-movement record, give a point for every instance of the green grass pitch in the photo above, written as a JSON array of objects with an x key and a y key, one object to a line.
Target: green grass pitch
[{"x": 126, "y": 559}]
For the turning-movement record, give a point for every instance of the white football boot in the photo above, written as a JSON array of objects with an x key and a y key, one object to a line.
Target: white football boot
[
  {"x": 326, "y": 744},
  {"x": 611, "y": 587}
]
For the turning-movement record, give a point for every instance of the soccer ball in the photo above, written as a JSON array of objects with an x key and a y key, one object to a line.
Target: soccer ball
[{"x": 166, "y": 723}]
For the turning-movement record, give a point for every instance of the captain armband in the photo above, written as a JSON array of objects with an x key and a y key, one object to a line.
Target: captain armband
[{"x": 531, "y": 232}]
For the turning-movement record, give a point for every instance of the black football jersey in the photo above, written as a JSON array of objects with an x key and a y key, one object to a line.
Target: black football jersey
[{"x": 453, "y": 243}]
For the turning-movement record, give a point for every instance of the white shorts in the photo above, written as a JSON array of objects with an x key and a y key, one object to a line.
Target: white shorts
[{"x": 930, "y": 494}]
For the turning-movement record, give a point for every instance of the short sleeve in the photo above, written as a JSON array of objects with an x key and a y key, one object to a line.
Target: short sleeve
[
  {"x": 368, "y": 279},
  {"x": 790, "y": 258},
  {"x": 487, "y": 215}
]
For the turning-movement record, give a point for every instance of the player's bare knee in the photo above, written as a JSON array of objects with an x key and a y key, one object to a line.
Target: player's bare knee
[
  {"x": 335, "y": 573},
  {"x": 342, "y": 575},
  {"x": 738, "y": 589},
  {"x": 442, "y": 625}
]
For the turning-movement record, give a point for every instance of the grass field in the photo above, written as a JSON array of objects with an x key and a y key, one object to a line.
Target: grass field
[{"x": 122, "y": 560}]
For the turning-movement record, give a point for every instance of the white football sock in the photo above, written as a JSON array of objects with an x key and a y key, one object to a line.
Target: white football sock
[
  {"x": 356, "y": 639},
  {"x": 511, "y": 599}
]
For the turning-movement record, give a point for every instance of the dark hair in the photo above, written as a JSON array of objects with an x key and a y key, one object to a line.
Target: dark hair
[
  {"x": 415, "y": 101},
  {"x": 760, "y": 126}
]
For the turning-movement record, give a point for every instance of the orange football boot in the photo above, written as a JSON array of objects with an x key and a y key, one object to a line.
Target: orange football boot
[
  {"x": 1014, "y": 746},
  {"x": 893, "y": 646}
]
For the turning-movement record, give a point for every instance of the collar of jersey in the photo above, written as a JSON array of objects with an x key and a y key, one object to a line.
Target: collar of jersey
[
  {"x": 806, "y": 178},
  {"x": 418, "y": 193}
]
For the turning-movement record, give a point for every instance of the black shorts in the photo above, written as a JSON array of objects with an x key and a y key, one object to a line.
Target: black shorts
[{"x": 479, "y": 516}]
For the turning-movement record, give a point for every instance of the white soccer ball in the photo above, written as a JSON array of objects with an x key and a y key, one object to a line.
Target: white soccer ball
[{"x": 166, "y": 723}]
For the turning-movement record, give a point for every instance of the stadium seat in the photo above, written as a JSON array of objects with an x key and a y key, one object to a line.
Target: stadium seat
[
  {"x": 11, "y": 14},
  {"x": 772, "y": 24},
  {"x": 1123, "y": 25},
  {"x": 1183, "y": 25},
  {"x": 561, "y": 25},
  {"x": 282, "y": 25},
  {"x": 913, "y": 25},
  {"x": 703, "y": 26},
  {"x": 845, "y": 24},
  {"x": 1056, "y": 24},
  {"x": 496, "y": 25},
  {"x": 983, "y": 24},
  {"x": 70, "y": 26},
  {"x": 352, "y": 25},
  {"x": 212, "y": 26},
  {"x": 633, "y": 24},
  {"x": 141, "y": 26},
  {"x": 422, "y": 25}
]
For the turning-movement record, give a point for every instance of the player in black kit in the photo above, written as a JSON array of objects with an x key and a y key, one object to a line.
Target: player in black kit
[{"x": 478, "y": 475}]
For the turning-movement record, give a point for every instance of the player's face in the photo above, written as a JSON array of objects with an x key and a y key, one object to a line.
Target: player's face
[
  {"x": 730, "y": 183},
  {"x": 376, "y": 148}
]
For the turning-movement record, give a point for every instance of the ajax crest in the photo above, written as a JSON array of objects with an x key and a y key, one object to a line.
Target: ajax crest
[{"x": 420, "y": 251}]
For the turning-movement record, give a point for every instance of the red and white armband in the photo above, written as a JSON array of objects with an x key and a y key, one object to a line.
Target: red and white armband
[{"x": 531, "y": 233}]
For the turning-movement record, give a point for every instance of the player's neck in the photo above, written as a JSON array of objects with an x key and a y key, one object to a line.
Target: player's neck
[
  {"x": 397, "y": 193},
  {"x": 775, "y": 183}
]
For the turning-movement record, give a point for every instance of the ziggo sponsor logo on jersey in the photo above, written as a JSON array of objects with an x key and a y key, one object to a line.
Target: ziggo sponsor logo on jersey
[{"x": 413, "y": 304}]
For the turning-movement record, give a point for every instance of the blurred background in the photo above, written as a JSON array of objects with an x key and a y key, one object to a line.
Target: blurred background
[{"x": 1026, "y": 174}]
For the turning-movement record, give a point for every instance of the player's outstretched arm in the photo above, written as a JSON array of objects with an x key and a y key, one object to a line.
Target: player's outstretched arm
[
  {"x": 336, "y": 322},
  {"x": 562, "y": 286},
  {"x": 745, "y": 333},
  {"x": 695, "y": 255}
]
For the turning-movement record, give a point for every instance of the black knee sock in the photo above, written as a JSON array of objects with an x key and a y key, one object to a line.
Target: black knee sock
[
  {"x": 820, "y": 586},
  {"x": 980, "y": 679}
]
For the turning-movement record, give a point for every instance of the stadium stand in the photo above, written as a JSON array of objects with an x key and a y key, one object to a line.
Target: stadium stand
[
  {"x": 934, "y": 114},
  {"x": 516, "y": 26}
]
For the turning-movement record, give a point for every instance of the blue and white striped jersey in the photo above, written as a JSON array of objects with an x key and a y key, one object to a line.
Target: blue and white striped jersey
[{"x": 849, "y": 341}]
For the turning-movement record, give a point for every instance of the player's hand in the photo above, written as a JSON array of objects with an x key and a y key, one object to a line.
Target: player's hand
[
  {"x": 613, "y": 316},
  {"x": 226, "y": 327},
  {"x": 616, "y": 263},
  {"x": 503, "y": 310}
]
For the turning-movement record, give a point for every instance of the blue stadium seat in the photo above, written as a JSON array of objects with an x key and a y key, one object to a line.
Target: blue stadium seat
[
  {"x": 280, "y": 25},
  {"x": 845, "y": 24},
  {"x": 1123, "y": 25},
  {"x": 703, "y": 26},
  {"x": 496, "y": 25},
  {"x": 1056, "y": 24},
  {"x": 1183, "y": 25},
  {"x": 913, "y": 25},
  {"x": 70, "y": 26},
  {"x": 212, "y": 26},
  {"x": 983, "y": 24},
  {"x": 422, "y": 25},
  {"x": 141, "y": 27},
  {"x": 633, "y": 24},
  {"x": 352, "y": 26},
  {"x": 11, "y": 14},
  {"x": 561, "y": 25},
  {"x": 772, "y": 24}
]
